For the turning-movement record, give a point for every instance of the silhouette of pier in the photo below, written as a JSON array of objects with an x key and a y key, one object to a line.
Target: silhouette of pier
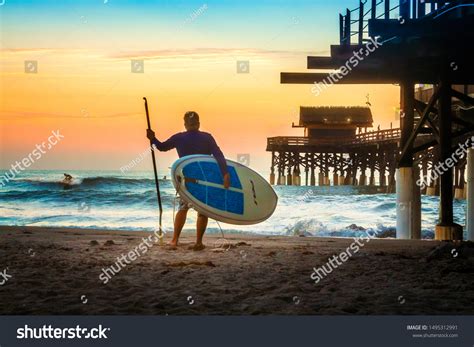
[{"x": 412, "y": 43}]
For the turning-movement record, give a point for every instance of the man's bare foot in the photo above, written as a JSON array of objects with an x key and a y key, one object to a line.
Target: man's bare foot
[
  {"x": 197, "y": 247},
  {"x": 172, "y": 245}
]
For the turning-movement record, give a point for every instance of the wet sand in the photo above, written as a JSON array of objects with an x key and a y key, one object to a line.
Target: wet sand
[{"x": 56, "y": 271}]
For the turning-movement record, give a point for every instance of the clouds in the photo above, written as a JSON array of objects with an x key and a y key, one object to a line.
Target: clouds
[
  {"x": 79, "y": 62},
  {"x": 207, "y": 53},
  {"x": 184, "y": 53},
  {"x": 83, "y": 115},
  {"x": 201, "y": 54}
]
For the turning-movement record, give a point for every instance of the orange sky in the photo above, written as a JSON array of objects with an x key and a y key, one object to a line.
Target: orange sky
[{"x": 93, "y": 98}]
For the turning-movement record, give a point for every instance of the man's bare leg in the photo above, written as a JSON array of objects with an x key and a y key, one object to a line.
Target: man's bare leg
[
  {"x": 201, "y": 225},
  {"x": 179, "y": 221}
]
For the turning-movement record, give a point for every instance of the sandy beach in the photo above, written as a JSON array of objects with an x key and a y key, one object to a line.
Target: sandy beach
[{"x": 56, "y": 271}]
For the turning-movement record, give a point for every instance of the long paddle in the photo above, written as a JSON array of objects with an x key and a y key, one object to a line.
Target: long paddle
[{"x": 156, "y": 173}]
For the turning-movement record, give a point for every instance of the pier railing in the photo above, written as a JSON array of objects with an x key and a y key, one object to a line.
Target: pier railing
[
  {"x": 377, "y": 136},
  {"x": 371, "y": 137},
  {"x": 355, "y": 22}
]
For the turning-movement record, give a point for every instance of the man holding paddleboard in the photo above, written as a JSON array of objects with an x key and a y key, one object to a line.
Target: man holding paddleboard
[{"x": 192, "y": 141}]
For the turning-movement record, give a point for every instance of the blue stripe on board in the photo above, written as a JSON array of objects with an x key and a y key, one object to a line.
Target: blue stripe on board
[
  {"x": 225, "y": 200},
  {"x": 213, "y": 174},
  {"x": 193, "y": 170},
  {"x": 234, "y": 178},
  {"x": 197, "y": 190},
  {"x": 235, "y": 202},
  {"x": 221, "y": 199}
]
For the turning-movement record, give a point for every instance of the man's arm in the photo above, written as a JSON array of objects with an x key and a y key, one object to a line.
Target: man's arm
[
  {"x": 217, "y": 153},
  {"x": 162, "y": 146}
]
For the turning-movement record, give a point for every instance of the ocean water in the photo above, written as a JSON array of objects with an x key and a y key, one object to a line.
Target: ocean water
[{"x": 115, "y": 200}]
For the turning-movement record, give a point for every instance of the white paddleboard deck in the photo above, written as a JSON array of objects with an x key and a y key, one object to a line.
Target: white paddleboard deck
[{"x": 198, "y": 180}]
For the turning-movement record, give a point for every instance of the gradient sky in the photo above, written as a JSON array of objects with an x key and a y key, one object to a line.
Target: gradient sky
[{"x": 85, "y": 88}]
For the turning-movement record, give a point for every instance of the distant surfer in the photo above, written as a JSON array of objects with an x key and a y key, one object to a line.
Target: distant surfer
[
  {"x": 67, "y": 178},
  {"x": 192, "y": 141}
]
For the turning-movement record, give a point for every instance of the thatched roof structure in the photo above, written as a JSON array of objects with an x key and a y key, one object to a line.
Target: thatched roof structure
[{"x": 325, "y": 115}]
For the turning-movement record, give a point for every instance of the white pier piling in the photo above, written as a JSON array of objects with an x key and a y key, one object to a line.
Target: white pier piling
[{"x": 408, "y": 205}]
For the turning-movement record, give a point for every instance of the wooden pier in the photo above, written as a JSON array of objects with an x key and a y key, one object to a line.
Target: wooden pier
[
  {"x": 341, "y": 158},
  {"x": 336, "y": 148},
  {"x": 411, "y": 43}
]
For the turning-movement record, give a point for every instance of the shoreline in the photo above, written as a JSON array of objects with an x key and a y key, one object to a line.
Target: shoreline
[{"x": 56, "y": 271}]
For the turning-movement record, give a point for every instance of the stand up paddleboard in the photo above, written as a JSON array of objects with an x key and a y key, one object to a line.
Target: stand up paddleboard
[{"x": 248, "y": 200}]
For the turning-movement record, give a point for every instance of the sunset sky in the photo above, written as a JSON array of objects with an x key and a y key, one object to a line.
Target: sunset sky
[{"x": 85, "y": 88}]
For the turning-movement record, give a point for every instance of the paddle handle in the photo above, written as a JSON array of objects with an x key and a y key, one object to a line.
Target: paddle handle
[{"x": 157, "y": 183}]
